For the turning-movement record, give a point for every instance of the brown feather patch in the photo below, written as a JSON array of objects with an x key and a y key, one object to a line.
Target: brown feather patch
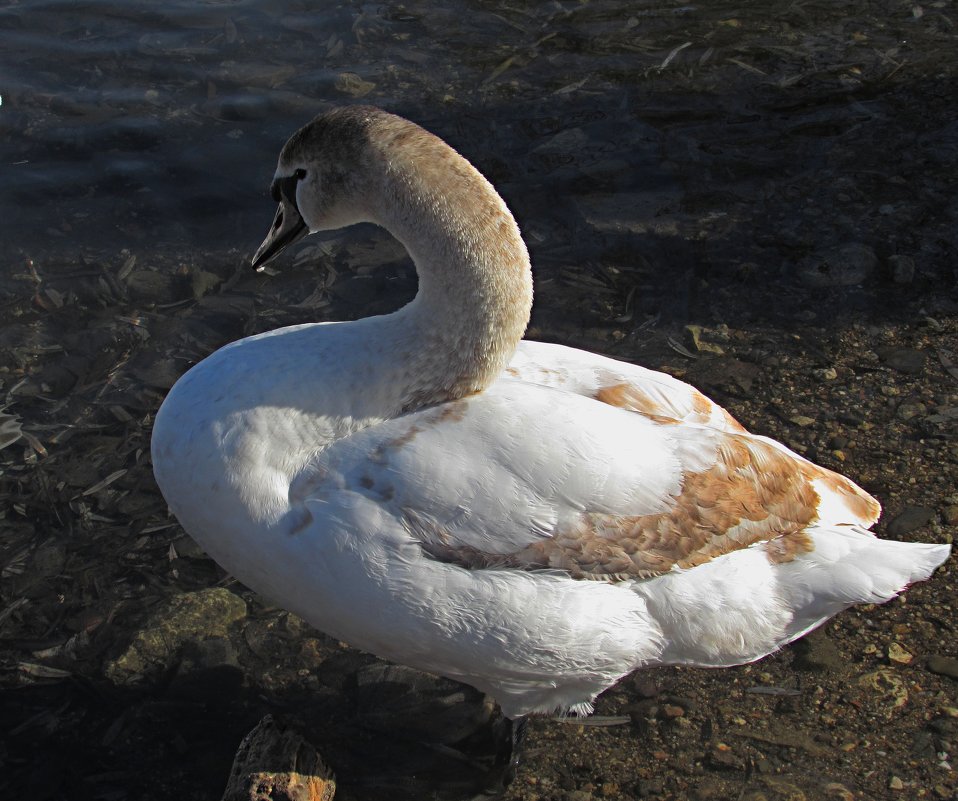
[
  {"x": 859, "y": 502},
  {"x": 788, "y": 546},
  {"x": 629, "y": 396},
  {"x": 752, "y": 493}
]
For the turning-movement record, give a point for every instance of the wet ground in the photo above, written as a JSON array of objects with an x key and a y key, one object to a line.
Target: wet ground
[{"x": 759, "y": 198}]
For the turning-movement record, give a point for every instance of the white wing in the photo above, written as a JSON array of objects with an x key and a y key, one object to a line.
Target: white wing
[
  {"x": 502, "y": 468},
  {"x": 616, "y": 383},
  {"x": 536, "y": 477}
]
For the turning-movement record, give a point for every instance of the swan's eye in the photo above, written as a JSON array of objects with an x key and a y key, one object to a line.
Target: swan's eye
[{"x": 286, "y": 187}]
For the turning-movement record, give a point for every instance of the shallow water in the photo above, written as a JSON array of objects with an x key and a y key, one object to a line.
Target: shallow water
[
  {"x": 155, "y": 127},
  {"x": 780, "y": 174}
]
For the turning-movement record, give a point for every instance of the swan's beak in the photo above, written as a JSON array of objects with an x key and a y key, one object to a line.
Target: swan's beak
[{"x": 288, "y": 227}]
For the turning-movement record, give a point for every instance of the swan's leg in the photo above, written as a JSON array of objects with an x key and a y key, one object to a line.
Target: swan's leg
[{"x": 512, "y": 733}]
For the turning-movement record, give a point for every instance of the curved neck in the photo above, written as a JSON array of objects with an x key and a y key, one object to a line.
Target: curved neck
[{"x": 475, "y": 282}]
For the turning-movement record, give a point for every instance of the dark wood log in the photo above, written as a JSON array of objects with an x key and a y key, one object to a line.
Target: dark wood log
[{"x": 275, "y": 763}]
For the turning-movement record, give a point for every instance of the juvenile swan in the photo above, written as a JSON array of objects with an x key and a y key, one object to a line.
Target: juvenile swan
[{"x": 530, "y": 519}]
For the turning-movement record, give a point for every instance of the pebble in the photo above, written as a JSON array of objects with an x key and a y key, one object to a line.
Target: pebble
[
  {"x": 701, "y": 340},
  {"x": 895, "y": 783},
  {"x": 202, "y": 282},
  {"x": 839, "y": 792},
  {"x": 950, "y": 514},
  {"x": 887, "y": 686},
  {"x": 904, "y": 360},
  {"x": 909, "y": 519},
  {"x": 844, "y": 265},
  {"x": 899, "y": 655},
  {"x": 723, "y": 757},
  {"x": 825, "y": 373},
  {"x": 943, "y": 666},
  {"x": 351, "y": 84},
  {"x": 909, "y": 410}
]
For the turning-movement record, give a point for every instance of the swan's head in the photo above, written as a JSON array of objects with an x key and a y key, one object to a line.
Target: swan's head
[{"x": 320, "y": 179}]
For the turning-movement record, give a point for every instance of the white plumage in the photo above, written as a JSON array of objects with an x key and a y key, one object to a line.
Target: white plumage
[{"x": 533, "y": 520}]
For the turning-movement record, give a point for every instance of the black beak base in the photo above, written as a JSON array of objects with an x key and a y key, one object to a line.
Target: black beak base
[{"x": 288, "y": 228}]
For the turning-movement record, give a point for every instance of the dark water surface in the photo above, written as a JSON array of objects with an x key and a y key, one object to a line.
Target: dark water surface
[
  {"x": 760, "y": 197},
  {"x": 155, "y": 127}
]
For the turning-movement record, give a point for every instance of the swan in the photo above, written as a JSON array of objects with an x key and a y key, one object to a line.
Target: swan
[{"x": 533, "y": 520}]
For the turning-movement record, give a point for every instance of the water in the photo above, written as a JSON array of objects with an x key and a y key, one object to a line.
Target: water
[
  {"x": 148, "y": 125},
  {"x": 155, "y": 127}
]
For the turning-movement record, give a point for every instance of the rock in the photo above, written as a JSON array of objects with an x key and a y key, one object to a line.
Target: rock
[
  {"x": 774, "y": 788},
  {"x": 950, "y": 513},
  {"x": 571, "y": 140},
  {"x": 894, "y": 783},
  {"x": 825, "y": 373},
  {"x": 635, "y": 213},
  {"x": 817, "y": 652},
  {"x": 909, "y": 410},
  {"x": 909, "y": 519},
  {"x": 802, "y": 420},
  {"x": 185, "y": 618},
  {"x": 188, "y": 548},
  {"x": 943, "y": 666},
  {"x": 899, "y": 655},
  {"x": 723, "y": 757},
  {"x": 351, "y": 84},
  {"x": 905, "y": 360},
  {"x": 700, "y": 338},
  {"x": 203, "y": 281},
  {"x": 153, "y": 286},
  {"x": 850, "y": 418},
  {"x": 943, "y": 414},
  {"x": 838, "y": 792},
  {"x": 727, "y": 374},
  {"x": 844, "y": 265},
  {"x": 902, "y": 269},
  {"x": 888, "y": 686}
]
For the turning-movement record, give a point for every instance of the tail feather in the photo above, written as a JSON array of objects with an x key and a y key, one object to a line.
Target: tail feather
[{"x": 741, "y": 607}]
